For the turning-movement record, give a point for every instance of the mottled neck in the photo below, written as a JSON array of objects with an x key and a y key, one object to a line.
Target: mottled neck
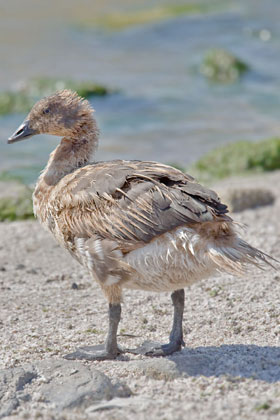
[{"x": 74, "y": 151}]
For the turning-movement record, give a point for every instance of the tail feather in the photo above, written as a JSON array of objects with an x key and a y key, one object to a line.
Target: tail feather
[{"x": 237, "y": 256}]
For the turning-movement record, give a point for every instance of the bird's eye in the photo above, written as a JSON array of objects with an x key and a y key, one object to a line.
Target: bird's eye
[{"x": 46, "y": 111}]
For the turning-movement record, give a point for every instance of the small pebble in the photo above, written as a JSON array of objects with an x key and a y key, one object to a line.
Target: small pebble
[
  {"x": 20, "y": 267},
  {"x": 32, "y": 271}
]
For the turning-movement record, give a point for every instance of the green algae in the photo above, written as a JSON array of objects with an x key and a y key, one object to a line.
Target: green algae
[
  {"x": 117, "y": 21},
  {"x": 45, "y": 86},
  {"x": 264, "y": 406},
  {"x": 15, "y": 198},
  {"x": 18, "y": 207},
  {"x": 26, "y": 94},
  {"x": 220, "y": 66},
  {"x": 12, "y": 102},
  {"x": 8, "y": 176},
  {"x": 238, "y": 158}
]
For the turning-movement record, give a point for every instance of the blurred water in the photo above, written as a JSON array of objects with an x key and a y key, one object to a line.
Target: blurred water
[{"x": 166, "y": 110}]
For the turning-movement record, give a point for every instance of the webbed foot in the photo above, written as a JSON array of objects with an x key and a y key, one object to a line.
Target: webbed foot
[{"x": 155, "y": 349}]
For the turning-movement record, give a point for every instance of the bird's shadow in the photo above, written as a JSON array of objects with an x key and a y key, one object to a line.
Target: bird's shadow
[{"x": 235, "y": 360}]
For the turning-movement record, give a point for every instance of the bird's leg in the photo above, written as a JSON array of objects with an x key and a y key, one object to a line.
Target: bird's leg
[
  {"x": 176, "y": 336},
  {"x": 102, "y": 352},
  {"x": 111, "y": 346}
]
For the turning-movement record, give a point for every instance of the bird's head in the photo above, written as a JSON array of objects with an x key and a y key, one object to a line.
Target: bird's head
[{"x": 61, "y": 114}]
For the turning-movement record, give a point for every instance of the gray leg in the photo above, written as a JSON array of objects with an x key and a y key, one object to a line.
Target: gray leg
[
  {"x": 111, "y": 346},
  {"x": 176, "y": 336},
  {"x": 102, "y": 352}
]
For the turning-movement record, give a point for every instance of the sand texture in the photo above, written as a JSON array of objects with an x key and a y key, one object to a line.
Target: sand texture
[{"x": 229, "y": 369}]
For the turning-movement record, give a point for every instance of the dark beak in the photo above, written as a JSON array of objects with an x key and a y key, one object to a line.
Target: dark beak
[{"x": 22, "y": 133}]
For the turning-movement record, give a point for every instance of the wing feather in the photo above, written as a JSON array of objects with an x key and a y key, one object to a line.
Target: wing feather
[{"x": 136, "y": 201}]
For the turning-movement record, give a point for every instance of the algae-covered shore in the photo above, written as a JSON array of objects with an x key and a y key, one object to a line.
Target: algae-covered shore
[
  {"x": 157, "y": 58},
  {"x": 239, "y": 158},
  {"x": 23, "y": 96},
  {"x": 49, "y": 306}
]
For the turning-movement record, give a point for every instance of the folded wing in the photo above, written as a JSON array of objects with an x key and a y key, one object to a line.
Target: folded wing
[{"x": 134, "y": 202}]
